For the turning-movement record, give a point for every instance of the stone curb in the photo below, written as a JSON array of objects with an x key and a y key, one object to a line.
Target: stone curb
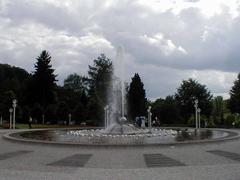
[{"x": 9, "y": 136}]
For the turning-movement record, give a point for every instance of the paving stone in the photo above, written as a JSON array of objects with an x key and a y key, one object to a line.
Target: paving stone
[
  {"x": 4, "y": 156},
  {"x": 160, "y": 160},
  {"x": 76, "y": 160},
  {"x": 226, "y": 154}
]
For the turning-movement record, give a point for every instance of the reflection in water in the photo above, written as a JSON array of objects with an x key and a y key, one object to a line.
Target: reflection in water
[
  {"x": 183, "y": 135},
  {"x": 188, "y": 135}
]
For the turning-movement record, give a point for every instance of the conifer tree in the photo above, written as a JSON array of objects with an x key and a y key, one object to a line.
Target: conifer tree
[
  {"x": 137, "y": 101},
  {"x": 43, "y": 81},
  {"x": 234, "y": 102}
]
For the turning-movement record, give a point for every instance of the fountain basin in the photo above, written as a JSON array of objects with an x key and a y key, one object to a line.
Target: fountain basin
[{"x": 97, "y": 137}]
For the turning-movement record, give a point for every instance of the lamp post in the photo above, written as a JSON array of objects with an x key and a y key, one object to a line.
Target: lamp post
[
  {"x": 14, "y": 112},
  {"x": 69, "y": 118},
  {"x": 43, "y": 118},
  {"x": 149, "y": 117},
  {"x": 196, "y": 112},
  {"x": 10, "y": 118},
  {"x": 199, "y": 118},
  {"x": 106, "y": 116}
]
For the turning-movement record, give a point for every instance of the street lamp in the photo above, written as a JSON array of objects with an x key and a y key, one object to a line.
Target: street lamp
[
  {"x": 43, "y": 118},
  {"x": 10, "y": 118},
  {"x": 199, "y": 118},
  {"x": 69, "y": 118},
  {"x": 196, "y": 112},
  {"x": 14, "y": 112},
  {"x": 149, "y": 117}
]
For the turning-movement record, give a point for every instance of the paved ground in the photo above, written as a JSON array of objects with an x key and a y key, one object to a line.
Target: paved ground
[{"x": 220, "y": 161}]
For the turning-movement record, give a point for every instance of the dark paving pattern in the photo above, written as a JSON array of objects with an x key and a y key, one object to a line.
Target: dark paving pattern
[
  {"x": 229, "y": 155},
  {"x": 160, "y": 160},
  {"x": 4, "y": 156},
  {"x": 76, "y": 160}
]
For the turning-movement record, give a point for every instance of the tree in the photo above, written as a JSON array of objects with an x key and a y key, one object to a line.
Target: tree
[
  {"x": 188, "y": 91},
  {"x": 218, "y": 110},
  {"x": 12, "y": 81},
  {"x": 136, "y": 97},
  {"x": 79, "y": 113},
  {"x": 99, "y": 79},
  {"x": 6, "y": 102},
  {"x": 37, "y": 112},
  {"x": 63, "y": 111},
  {"x": 76, "y": 83},
  {"x": 234, "y": 101},
  {"x": 166, "y": 110},
  {"x": 43, "y": 84},
  {"x": 50, "y": 113},
  {"x": 95, "y": 111},
  {"x": 74, "y": 91}
]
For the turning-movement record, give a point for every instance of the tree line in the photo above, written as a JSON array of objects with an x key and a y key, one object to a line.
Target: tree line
[
  {"x": 83, "y": 98},
  {"x": 215, "y": 111}
]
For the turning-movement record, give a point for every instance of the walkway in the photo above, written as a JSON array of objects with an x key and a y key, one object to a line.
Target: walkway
[{"x": 201, "y": 161}]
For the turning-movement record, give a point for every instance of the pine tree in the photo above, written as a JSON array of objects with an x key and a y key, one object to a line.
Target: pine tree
[
  {"x": 234, "y": 102},
  {"x": 43, "y": 81},
  {"x": 136, "y": 97}
]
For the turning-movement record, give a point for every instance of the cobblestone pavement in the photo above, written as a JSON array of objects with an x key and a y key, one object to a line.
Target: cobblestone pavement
[{"x": 219, "y": 160}]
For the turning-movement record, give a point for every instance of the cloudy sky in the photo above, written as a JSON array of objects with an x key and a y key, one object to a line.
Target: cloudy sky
[{"x": 165, "y": 41}]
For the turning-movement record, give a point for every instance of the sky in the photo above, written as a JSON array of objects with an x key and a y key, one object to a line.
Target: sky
[{"x": 165, "y": 41}]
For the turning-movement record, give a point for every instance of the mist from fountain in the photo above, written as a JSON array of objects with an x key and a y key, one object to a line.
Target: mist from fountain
[
  {"x": 117, "y": 98},
  {"x": 117, "y": 128}
]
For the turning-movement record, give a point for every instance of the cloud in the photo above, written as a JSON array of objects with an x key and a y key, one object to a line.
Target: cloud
[
  {"x": 166, "y": 41},
  {"x": 166, "y": 46}
]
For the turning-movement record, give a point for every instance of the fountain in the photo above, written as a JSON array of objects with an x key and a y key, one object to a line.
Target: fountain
[
  {"x": 118, "y": 131},
  {"x": 118, "y": 124}
]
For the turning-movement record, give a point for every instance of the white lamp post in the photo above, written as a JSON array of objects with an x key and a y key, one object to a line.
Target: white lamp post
[
  {"x": 14, "y": 113},
  {"x": 43, "y": 118},
  {"x": 10, "y": 118},
  {"x": 196, "y": 112},
  {"x": 149, "y": 117},
  {"x": 199, "y": 118},
  {"x": 69, "y": 118}
]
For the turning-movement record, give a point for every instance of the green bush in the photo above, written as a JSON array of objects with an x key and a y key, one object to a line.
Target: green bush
[
  {"x": 209, "y": 121},
  {"x": 229, "y": 120}
]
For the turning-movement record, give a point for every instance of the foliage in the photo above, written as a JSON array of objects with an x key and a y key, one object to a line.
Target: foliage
[
  {"x": 79, "y": 113},
  {"x": 136, "y": 97},
  {"x": 50, "y": 114},
  {"x": 229, "y": 120},
  {"x": 12, "y": 85},
  {"x": 218, "y": 110},
  {"x": 99, "y": 79},
  {"x": 234, "y": 101},
  {"x": 205, "y": 122},
  {"x": 43, "y": 85},
  {"x": 37, "y": 112},
  {"x": 188, "y": 91},
  {"x": 76, "y": 83},
  {"x": 165, "y": 110},
  {"x": 63, "y": 111}
]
